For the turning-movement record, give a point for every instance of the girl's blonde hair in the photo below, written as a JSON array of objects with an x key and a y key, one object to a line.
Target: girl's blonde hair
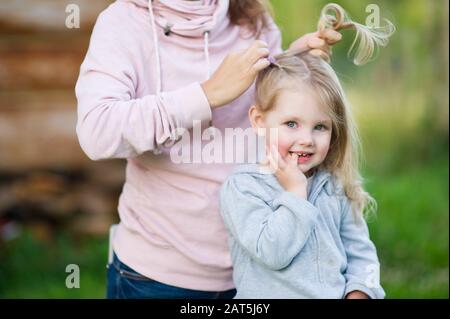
[
  {"x": 293, "y": 70},
  {"x": 368, "y": 39}
]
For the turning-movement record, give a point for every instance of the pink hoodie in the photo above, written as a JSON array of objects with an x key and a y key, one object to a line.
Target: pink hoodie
[{"x": 136, "y": 87}]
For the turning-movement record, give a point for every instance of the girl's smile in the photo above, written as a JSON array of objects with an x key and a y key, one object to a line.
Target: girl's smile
[{"x": 303, "y": 157}]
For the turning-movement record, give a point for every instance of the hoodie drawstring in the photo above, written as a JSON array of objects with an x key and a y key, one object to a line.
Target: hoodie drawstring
[
  {"x": 206, "y": 50},
  {"x": 156, "y": 45},
  {"x": 157, "y": 54}
]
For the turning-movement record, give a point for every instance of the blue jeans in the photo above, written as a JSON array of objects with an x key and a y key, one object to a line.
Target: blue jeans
[{"x": 124, "y": 282}]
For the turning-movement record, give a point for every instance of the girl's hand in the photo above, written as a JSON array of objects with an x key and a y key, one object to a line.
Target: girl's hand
[
  {"x": 290, "y": 177},
  {"x": 356, "y": 295},
  {"x": 236, "y": 73},
  {"x": 318, "y": 42}
]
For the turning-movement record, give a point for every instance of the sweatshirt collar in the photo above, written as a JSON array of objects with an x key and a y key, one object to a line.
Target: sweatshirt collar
[
  {"x": 187, "y": 18},
  {"x": 321, "y": 180},
  {"x": 190, "y": 18}
]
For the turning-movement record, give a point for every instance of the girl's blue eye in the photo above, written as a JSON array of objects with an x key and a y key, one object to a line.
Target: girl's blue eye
[
  {"x": 321, "y": 127},
  {"x": 291, "y": 124}
]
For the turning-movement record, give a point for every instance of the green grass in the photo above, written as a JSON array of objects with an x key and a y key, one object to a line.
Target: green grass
[
  {"x": 34, "y": 269},
  {"x": 411, "y": 231}
]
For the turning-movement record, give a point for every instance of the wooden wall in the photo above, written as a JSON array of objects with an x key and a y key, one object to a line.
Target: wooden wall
[{"x": 44, "y": 175}]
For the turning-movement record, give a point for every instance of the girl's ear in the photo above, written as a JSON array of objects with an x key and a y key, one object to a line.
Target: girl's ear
[{"x": 256, "y": 119}]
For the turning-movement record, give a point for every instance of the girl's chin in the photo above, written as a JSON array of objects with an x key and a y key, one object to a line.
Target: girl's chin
[{"x": 305, "y": 168}]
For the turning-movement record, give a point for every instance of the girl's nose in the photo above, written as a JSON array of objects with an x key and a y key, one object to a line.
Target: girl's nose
[{"x": 305, "y": 138}]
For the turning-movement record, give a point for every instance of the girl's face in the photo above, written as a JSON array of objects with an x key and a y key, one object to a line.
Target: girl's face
[{"x": 302, "y": 126}]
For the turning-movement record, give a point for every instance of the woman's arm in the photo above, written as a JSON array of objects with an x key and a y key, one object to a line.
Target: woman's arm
[{"x": 112, "y": 122}]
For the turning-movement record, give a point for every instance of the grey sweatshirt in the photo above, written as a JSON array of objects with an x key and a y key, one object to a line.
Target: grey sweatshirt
[{"x": 283, "y": 246}]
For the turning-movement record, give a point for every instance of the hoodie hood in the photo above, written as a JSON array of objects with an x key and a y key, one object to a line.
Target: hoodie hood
[{"x": 191, "y": 19}]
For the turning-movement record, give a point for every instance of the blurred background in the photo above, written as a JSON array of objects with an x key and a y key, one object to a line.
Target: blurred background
[{"x": 56, "y": 205}]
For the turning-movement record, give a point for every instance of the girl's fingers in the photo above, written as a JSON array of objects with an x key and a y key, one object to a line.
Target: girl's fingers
[
  {"x": 265, "y": 161},
  {"x": 272, "y": 164},
  {"x": 293, "y": 159},
  {"x": 276, "y": 156},
  {"x": 272, "y": 160}
]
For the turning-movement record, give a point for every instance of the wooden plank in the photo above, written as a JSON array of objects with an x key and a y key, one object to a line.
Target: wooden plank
[
  {"x": 43, "y": 61},
  {"x": 51, "y": 41},
  {"x": 37, "y": 129},
  {"x": 46, "y": 15},
  {"x": 37, "y": 101},
  {"x": 39, "y": 70}
]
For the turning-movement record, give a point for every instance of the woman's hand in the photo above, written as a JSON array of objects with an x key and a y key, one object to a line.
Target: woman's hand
[
  {"x": 290, "y": 177},
  {"x": 356, "y": 294},
  {"x": 318, "y": 42},
  {"x": 236, "y": 73}
]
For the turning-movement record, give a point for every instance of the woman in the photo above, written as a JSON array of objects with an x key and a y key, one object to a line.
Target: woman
[{"x": 153, "y": 68}]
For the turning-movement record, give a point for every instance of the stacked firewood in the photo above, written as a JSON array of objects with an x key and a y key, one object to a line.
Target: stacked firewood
[
  {"x": 46, "y": 181},
  {"x": 82, "y": 201}
]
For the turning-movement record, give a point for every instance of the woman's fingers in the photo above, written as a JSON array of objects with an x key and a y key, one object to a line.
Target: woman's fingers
[
  {"x": 319, "y": 47},
  {"x": 321, "y": 41},
  {"x": 317, "y": 43},
  {"x": 260, "y": 65},
  {"x": 257, "y": 55},
  {"x": 259, "y": 49},
  {"x": 330, "y": 36},
  {"x": 320, "y": 53}
]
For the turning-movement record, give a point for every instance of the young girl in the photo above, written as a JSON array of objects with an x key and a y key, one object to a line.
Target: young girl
[{"x": 300, "y": 233}]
